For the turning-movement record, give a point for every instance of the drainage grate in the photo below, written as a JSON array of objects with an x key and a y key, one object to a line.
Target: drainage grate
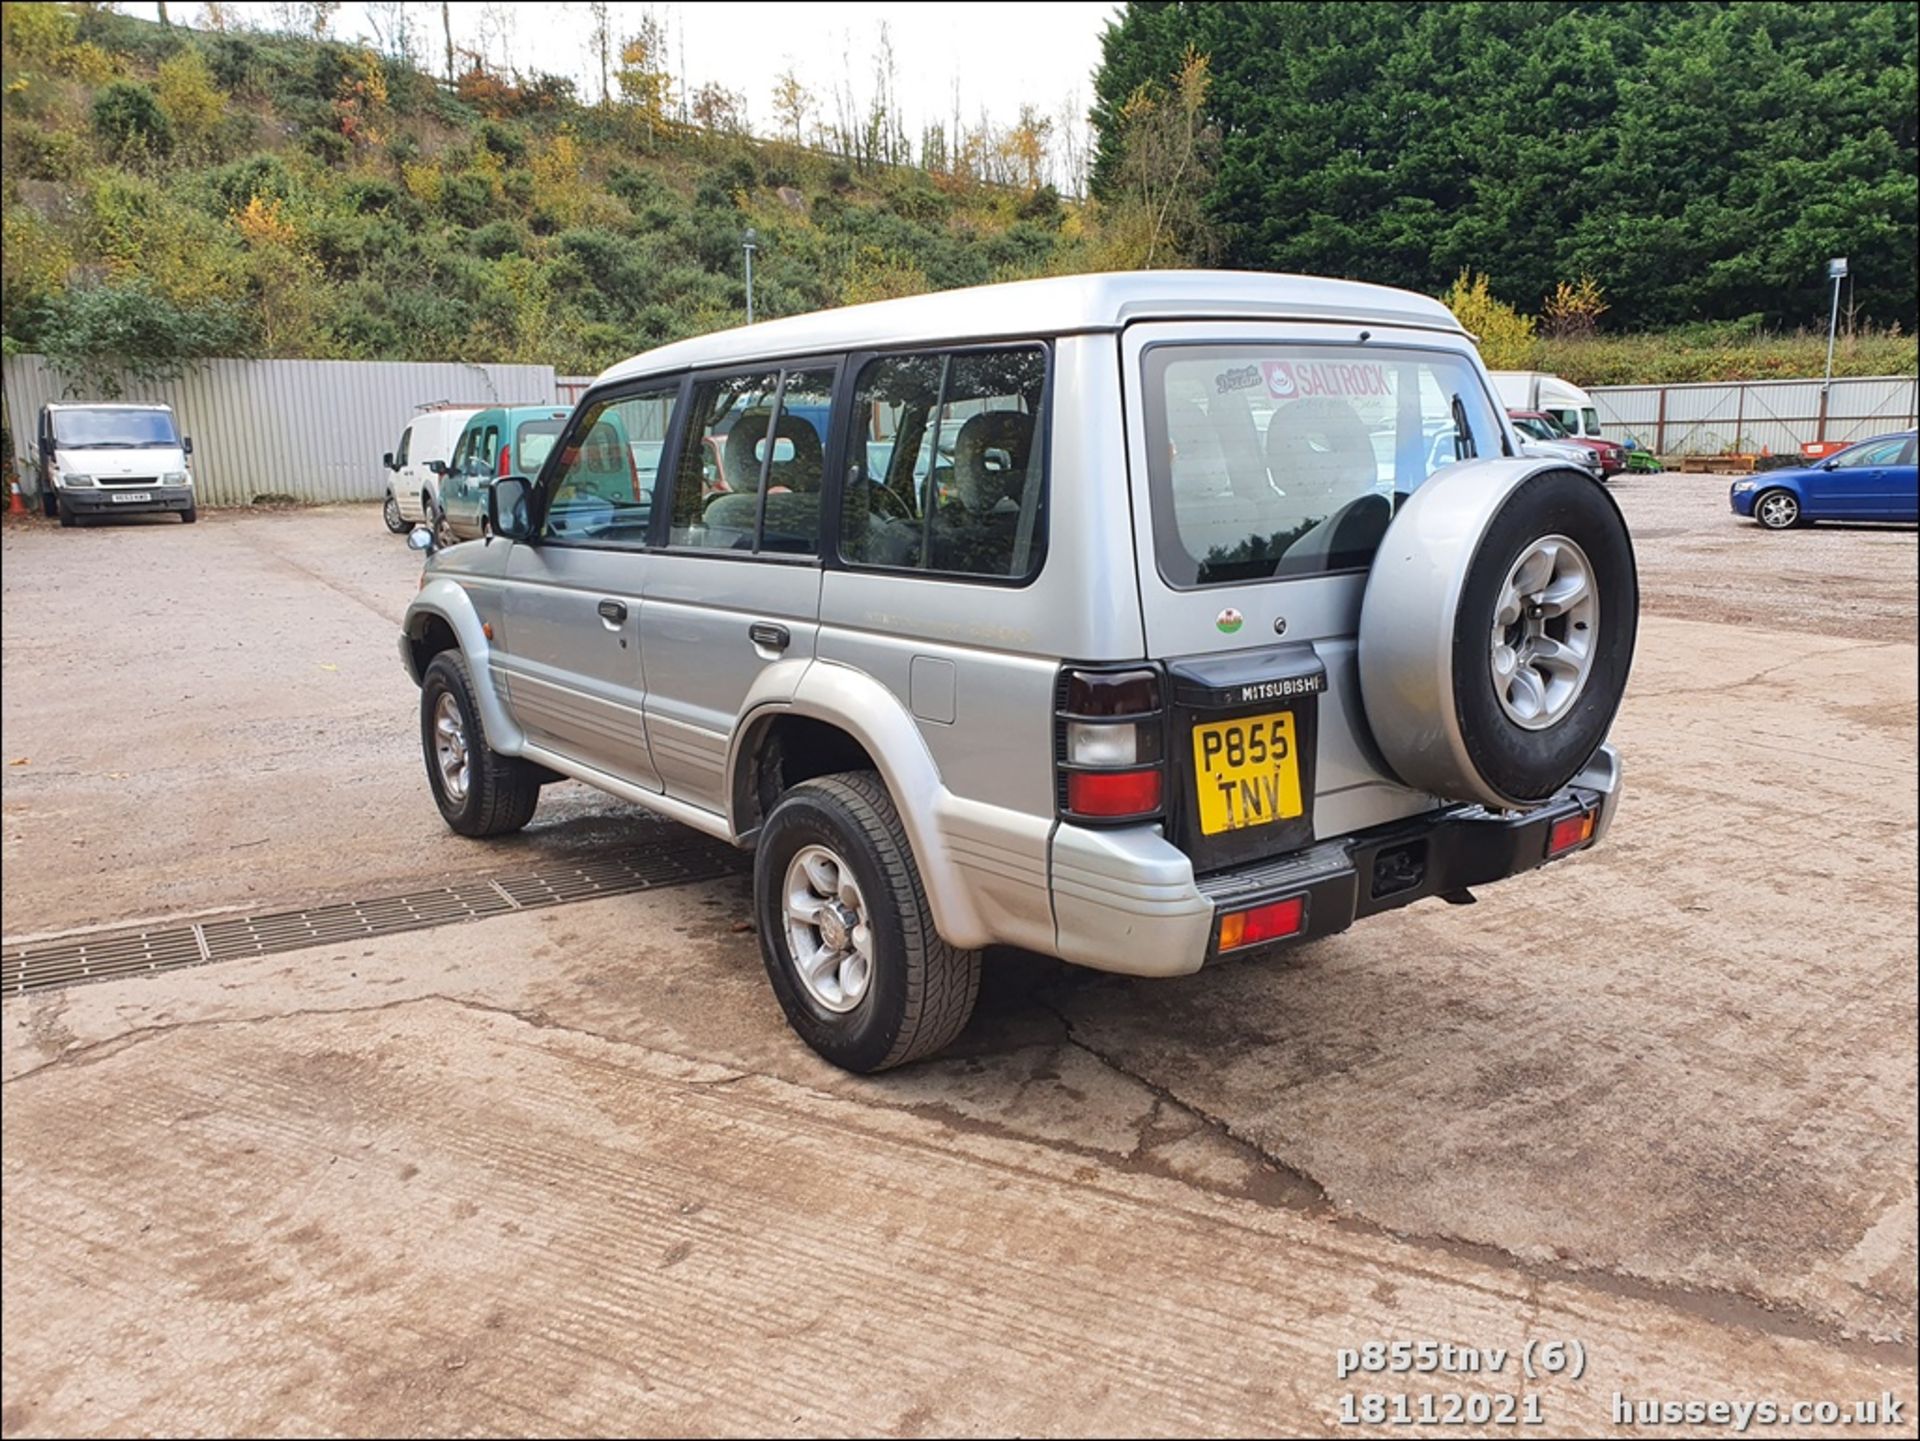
[{"x": 674, "y": 860}]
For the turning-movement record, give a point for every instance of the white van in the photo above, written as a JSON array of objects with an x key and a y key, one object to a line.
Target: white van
[
  {"x": 1566, "y": 402},
  {"x": 93, "y": 460},
  {"x": 415, "y": 465}
]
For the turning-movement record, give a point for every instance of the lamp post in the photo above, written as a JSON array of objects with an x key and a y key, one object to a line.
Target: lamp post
[
  {"x": 1836, "y": 272},
  {"x": 748, "y": 243}
]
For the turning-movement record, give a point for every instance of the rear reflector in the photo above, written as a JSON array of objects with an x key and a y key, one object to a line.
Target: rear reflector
[
  {"x": 1113, "y": 793},
  {"x": 1569, "y": 833},
  {"x": 1272, "y": 922}
]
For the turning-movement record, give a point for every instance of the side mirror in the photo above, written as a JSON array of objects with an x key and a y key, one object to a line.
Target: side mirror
[
  {"x": 1830, "y": 465},
  {"x": 438, "y": 467},
  {"x": 387, "y": 461},
  {"x": 510, "y": 507},
  {"x": 420, "y": 538},
  {"x": 186, "y": 445}
]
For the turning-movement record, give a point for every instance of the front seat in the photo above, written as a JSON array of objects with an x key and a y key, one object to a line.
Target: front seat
[{"x": 793, "y": 517}]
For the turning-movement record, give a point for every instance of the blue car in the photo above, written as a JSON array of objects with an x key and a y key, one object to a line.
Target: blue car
[{"x": 1874, "y": 480}]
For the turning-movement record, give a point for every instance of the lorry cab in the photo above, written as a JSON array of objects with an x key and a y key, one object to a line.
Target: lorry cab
[{"x": 1570, "y": 407}]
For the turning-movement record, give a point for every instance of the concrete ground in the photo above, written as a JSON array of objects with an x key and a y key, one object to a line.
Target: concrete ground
[{"x": 569, "y": 1171}]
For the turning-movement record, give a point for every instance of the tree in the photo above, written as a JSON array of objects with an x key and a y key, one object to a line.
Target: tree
[
  {"x": 646, "y": 84},
  {"x": 601, "y": 39},
  {"x": 1697, "y": 159},
  {"x": 792, "y": 104},
  {"x": 1505, "y": 336},
  {"x": 1164, "y": 166}
]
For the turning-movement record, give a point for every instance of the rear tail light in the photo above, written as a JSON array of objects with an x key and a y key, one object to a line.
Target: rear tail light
[
  {"x": 1570, "y": 834},
  {"x": 1274, "y": 921},
  {"x": 1109, "y": 740},
  {"x": 506, "y": 461}
]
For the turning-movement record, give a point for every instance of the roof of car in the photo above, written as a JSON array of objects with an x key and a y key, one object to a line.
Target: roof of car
[
  {"x": 1059, "y": 305},
  {"x": 104, "y": 405}
]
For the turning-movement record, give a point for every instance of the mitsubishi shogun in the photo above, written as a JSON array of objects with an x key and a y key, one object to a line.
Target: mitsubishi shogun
[{"x": 1134, "y": 619}]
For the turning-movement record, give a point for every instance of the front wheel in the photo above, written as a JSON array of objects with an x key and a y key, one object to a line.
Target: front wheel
[
  {"x": 67, "y": 518},
  {"x": 390, "y": 513},
  {"x": 190, "y": 515},
  {"x": 846, "y": 933},
  {"x": 1777, "y": 510},
  {"x": 479, "y": 791}
]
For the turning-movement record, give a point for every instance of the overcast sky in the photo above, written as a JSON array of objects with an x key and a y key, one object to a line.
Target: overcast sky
[{"x": 1002, "y": 55}]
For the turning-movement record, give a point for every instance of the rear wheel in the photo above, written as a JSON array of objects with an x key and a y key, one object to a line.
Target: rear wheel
[
  {"x": 1777, "y": 510},
  {"x": 479, "y": 791},
  {"x": 846, "y": 932}
]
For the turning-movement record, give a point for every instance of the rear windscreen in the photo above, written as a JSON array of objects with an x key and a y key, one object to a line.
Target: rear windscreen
[
  {"x": 1275, "y": 460},
  {"x": 531, "y": 444}
]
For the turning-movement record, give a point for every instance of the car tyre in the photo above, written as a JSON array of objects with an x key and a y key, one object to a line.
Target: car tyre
[
  {"x": 390, "y": 513},
  {"x": 1776, "y": 509},
  {"x": 836, "y": 843},
  {"x": 68, "y": 520},
  {"x": 190, "y": 515},
  {"x": 479, "y": 791}
]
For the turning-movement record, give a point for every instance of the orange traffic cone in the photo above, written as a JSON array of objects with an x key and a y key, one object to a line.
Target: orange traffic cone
[{"x": 15, "y": 505}]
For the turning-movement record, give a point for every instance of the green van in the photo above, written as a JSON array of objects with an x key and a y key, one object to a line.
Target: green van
[{"x": 500, "y": 440}]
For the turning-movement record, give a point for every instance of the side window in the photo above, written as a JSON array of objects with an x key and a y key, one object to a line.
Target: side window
[
  {"x": 952, "y": 473},
  {"x": 406, "y": 443},
  {"x": 489, "y": 451},
  {"x": 1887, "y": 452},
  {"x": 603, "y": 482},
  {"x": 753, "y": 465}
]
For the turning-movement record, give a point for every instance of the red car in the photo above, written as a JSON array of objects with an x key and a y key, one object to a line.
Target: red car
[{"x": 1541, "y": 426}]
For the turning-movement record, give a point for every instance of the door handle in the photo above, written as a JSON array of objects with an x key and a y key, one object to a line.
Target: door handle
[
  {"x": 766, "y": 633},
  {"x": 614, "y": 612}
]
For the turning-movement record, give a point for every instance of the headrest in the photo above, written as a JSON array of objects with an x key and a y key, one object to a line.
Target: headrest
[
  {"x": 1199, "y": 460},
  {"x": 744, "y": 448},
  {"x": 982, "y": 477},
  {"x": 1319, "y": 446}
]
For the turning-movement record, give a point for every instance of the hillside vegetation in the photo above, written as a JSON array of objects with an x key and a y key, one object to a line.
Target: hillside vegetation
[{"x": 173, "y": 193}]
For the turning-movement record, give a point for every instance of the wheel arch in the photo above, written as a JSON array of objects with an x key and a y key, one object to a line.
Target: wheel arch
[
  {"x": 837, "y": 718},
  {"x": 443, "y": 612}
]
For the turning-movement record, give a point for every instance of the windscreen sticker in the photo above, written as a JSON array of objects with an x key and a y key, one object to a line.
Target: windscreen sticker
[{"x": 1293, "y": 380}]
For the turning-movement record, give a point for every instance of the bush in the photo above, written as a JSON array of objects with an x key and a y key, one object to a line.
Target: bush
[
  {"x": 187, "y": 94},
  {"x": 1505, "y": 336},
  {"x": 100, "y": 333},
  {"x": 495, "y": 239},
  {"x": 129, "y": 118},
  {"x": 329, "y": 147},
  {"x": 504, "y": 142},
  {"x": 46, "y": 154},
  {"x": 467, "y": 199},
  {"x": 232, "y": 186}
]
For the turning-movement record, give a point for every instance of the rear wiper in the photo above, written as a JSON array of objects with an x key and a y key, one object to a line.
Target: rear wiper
[{"x": 1463, "y": 446}]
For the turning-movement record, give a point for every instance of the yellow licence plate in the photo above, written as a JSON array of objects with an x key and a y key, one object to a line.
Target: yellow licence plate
[{"x": 1246, "y": 772}]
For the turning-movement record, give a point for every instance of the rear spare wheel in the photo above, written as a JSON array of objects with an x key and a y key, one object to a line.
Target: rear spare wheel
[{"x": 1497, "y": 631}]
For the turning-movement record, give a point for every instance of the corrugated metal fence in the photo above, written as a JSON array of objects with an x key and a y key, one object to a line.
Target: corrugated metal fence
[
  {"x": 310, "y": 429},
  {"x": 1755, "y": 415}
]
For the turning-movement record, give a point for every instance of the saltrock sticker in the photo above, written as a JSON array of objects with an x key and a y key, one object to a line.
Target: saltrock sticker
[{"x": 1295, "y": 379}]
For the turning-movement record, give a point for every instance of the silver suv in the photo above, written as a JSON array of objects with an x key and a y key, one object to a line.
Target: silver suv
[{"x": 1131, "y": 619}]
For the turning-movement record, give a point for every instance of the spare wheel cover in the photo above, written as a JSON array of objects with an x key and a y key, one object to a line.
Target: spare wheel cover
[{"x": 1497, "y": 630}]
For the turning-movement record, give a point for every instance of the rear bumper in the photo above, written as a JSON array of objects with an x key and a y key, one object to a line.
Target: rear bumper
[
  {"x": 102, "y": 500},
  {"x": 1129, "y": 902}
]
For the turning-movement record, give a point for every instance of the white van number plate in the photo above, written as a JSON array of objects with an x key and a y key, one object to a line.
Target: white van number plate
[{"x": 121, "y": 497}]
